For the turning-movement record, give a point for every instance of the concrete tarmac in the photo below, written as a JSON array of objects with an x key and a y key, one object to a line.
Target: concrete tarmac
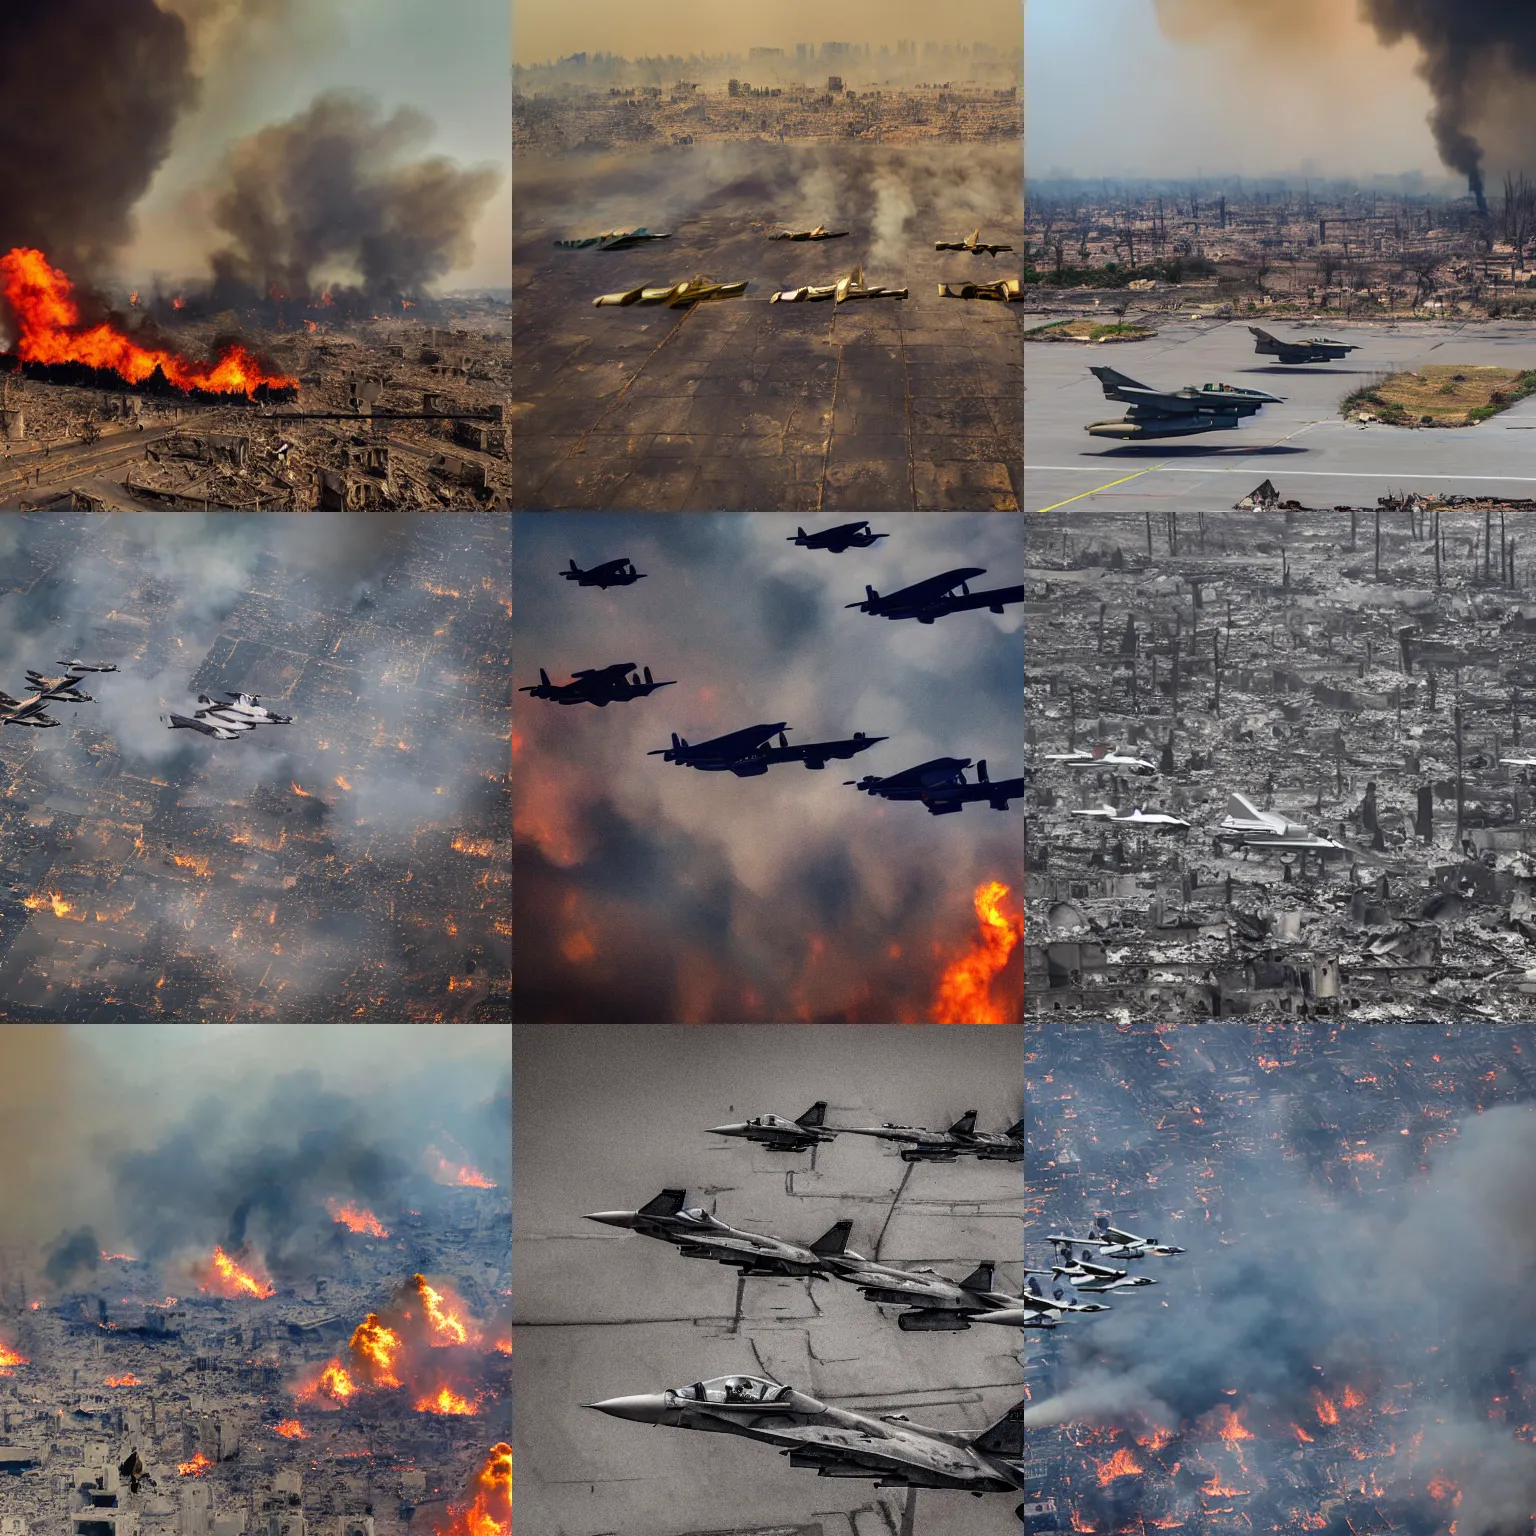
[
  {"x": 608, "y": 1116},
  {"x": 1303, "y": 445}
]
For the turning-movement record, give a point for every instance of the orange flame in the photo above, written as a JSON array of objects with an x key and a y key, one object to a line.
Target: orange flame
[
  {"x": 1301, "y": 1434},
  {"x": 50, "y": 331},
  {"x": 1443, "y": 1488},
  {"x": 331, "y": 1381},
  {"x": 194, "y": 1468},
  {"x": 446, "y": 1325},
  {"x": 1353, "y": 1399},
  {"x": 1121, "y": 1464},
  {"x": 444, "y": 1172},
  {"x": 1215, "y": 1490},
  {"x": 234, "y": 1281},
  {"x": 502, "y": 1346},
  {"x": 447, "y": 1401},
  {"x": 1155, "y": 1441},
  {"x": 476, "y": 847},
  {"x": 61, "y": 908},
  {"x": 964, "y": 995},
  {"x": 373, "y": 1347},
  {"x": 129, "y": 1380},
  {"x": 1326, "y": 1412},
  {"x": 1230, "y": 1427},
  {"x": 489, "y": 1511},
  {"x": 295, "y": 788},
  {"x": 340, "y": 782},
  {"x": 355, "y": 1218},
  {"x": 291, "y": 1429}
]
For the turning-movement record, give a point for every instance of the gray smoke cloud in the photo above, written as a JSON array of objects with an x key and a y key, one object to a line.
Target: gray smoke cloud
[
  {"x": 1293, "y": 1287},
  {"x": 335, "y": 189}
]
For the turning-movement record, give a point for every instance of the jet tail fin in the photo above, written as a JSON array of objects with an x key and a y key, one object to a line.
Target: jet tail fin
[
  {"x": 833, "y": 1241},
  {"x": 544, "y": 677},
  {"x": 981, "y": 1278},
  {"x": 965, "y": 1124},
  {"x": 1016, "y": 1129},
  {"x": 574, "y": 566},
  {"x": 648, "y": 674},
  {"x": 981, "y": 772},
  {"x": 1006, "y": 1437},
  {"x": 668, "y": 1203},
  {"x": 815, "y": 1116}
]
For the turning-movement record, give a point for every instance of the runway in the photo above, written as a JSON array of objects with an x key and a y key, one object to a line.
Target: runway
[{"x": 1303, "y": 445}]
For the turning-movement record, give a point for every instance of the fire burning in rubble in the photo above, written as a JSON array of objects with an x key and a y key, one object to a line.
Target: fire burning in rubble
[
  {"x": 1121, "y": 1464},
  {"x": 355, "y": 1218},
  {"x": 194, "y": 1468},
  {"x": 446, "y": 1325},
  {"x": 965, "y": 989},
  {"x": 445, "y": 1172},
  {"x": 375, "y": 1346},
  {"x": 9, "y": 1358},
  {"x": 489, "y": 1511},
  {"x": 290, "y": 1429},
  {"x": 129, "y": 1380},
  {"x": 447, "y": 1401},
  {"x": 330, "y": 1381},
  {"x": 226, "y": 1278},
  {"x": 50, "y": 330}
]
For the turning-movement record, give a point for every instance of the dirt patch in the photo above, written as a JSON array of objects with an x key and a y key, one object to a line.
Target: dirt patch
[{"x": 1441, "y": 395}]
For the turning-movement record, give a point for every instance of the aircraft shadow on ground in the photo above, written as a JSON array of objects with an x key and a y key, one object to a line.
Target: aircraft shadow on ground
[
  {"x": 1194, "y": 451},
  {"x": 1301, "y": 370}
]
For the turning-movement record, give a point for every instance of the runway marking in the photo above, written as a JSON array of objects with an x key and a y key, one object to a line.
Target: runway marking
[{"x": 1070, "y": 499}]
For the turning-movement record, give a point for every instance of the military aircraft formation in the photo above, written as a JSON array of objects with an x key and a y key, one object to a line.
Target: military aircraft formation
[
  {"x": 226, "y": 720},
  {"x": 889, "y": 1450},
  {"x": 918, "y": 1144},
  {"x": 33, "y": 709},
  {"x": 939, "y": 784}
]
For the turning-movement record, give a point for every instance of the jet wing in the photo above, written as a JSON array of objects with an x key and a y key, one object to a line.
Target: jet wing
[
  {"x": 934, "y": 587},
  {"x": 1244, "y": 816}
]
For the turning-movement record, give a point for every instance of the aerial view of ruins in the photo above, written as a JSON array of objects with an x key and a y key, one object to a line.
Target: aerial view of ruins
[
  {"x": 266, "y": 267},
  {"x": 847, "y": 219}
]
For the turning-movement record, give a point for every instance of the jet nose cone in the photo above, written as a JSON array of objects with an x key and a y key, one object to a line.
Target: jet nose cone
[
  {"x": 727, "y": 1130},
  {"x": 613, "y": 1218},
  {"x": 643, "y": 1408}
]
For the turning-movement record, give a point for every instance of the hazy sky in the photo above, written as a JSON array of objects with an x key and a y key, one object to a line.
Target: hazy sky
[
  {"x": 1110, "y": 93},
  {"x": 448, "y": 60},
  {"x": 544, "y": 29}
]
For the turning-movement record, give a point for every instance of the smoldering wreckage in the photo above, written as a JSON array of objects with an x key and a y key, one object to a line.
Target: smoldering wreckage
[{"x": 1282, "y": 760}]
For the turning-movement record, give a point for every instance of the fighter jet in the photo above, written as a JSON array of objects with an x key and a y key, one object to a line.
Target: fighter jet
[
  {"x": 88, "y": 666},
  {"x": 1315, "y": 349},
  {"x": 939, "y": 1304},
  {"x": 836, "y": 1442},
  {"x": 242, "y": 706},
  {"x": 59, "y": 687},
  {"x": 1101, "y": 758},
  {"x": 611, "y": 573},
  {"x": 698, "y": 1235},
  {"x": 928, "y": 600},
  {"x": 975, "y": 245},
  {"x": 780, "y": 1135},
  {"x": 1149, "y": 821},
  {"x": 844, "y": 537},
  {"x": 924, "y": 1146},
  {"x": 1174, "y": 413},
  {"x": 845, "y": 288},
  {"x": 222, "y": 730},
  {"x": 940, "y": 785},
  {"x": 1114, "y": 1243},
  {"x": 597, "y": 685},
  {"x": 613, "y": 240},
  {"x": 683, "y": 295},
  {"x": 821, "y": 232},
  {"x": 33, "y": 710},
  {"x": 1008, "y": 290},
  {"x": 1085, "y": 1275},
  {"x": 748, "y": 752},
  {"x": 999, "y": 1146},
  {"x": 1246, "y": 826}
]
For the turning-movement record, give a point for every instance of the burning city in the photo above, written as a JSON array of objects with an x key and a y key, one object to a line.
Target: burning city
[
  {"x": 327, "y": 1352},
  {"x": 1310, "y": 1362}
]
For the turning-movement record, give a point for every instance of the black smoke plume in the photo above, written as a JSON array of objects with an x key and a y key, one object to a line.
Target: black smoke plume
[
  {"x": 1465, "y": 44},
  {"x": 74, "y": 1252},
  {"x": 90, "y": 91},
  {"x": 335, "y": 187}
]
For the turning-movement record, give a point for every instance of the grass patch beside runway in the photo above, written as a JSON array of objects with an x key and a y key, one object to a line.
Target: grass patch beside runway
[
  {"x": 1089, "y": 330},
  {"x": 1439, "y": 395}
]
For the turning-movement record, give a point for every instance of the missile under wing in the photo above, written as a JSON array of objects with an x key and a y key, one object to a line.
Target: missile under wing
[
  {"x": 1315, "y": 349},
  {"x": 1174, "y": 412}
]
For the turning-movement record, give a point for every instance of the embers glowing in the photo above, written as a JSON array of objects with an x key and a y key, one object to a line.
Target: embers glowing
[
  {"x": 50, "y": 330},
  {"x": 227, "y": 1278},
  {"x": 489, "y": 1511},
  {"x": 129, "y": 1380},
  {"x": 291, "y": 1429},
  {"x": 1121, "y": 1464},
  {"x": 61, "y": 908},
  {"x": 965, "y": 989},
  {"x": 194, "y": 1468},
  {"x": 447, "y": 1401},
  {"x": 445, "y": 1172},
  {"x": 1353, "y": 1399},
  {"x": 476, "y": 847},
  {"x": 374, "y": 1346},
  {"x": 355, "y": 1218},
  {"x": 1324, "y": 1408}
]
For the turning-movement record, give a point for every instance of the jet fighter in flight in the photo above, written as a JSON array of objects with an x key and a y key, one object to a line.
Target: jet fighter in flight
[
  {"x": 939, "y": 1304},
  {"x": 33, "y": 710},
  {"x": 1315, "y": 349},
  {"x": 841, "y": 292},
  {"x": 845, "y": 536},
  {"x": 975, "y": 245},
  {"x": 683, "y": 295},
  {"x": 1114, "y": 1243},
  {"x": 890, "y": 1450},
  {"x": 1101, "y": 758},
  {"x": 924, "y": 1146},
  {"x": 597, "y": 685},
  {"x": 821, "y": 232},
  {"x": 941, "y": 786},
  {"x": 611, "y": 573},
  {"x": 780, "y": 1135},
  {"x": 748, "y": 752},
  {"x": 931, "y": 599},
  {"x": 1174, "y": 412},
  {"x": 613, "y": 240},
  {"x": 698, "y": 1235},
  {"x": 223, "y": 730},
  {"x": 1085, "y": 1275},
  {"x": 1007, "y": 290},
  {"x": 241, "y": 706},
  {"x": 89, "y": 666}
]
